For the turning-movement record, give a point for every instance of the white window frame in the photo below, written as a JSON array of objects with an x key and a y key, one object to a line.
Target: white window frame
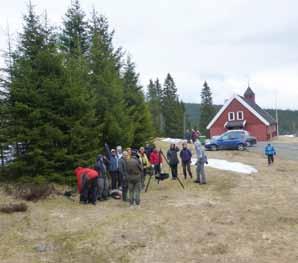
[
  {"x": 241, "y": 114},
  {"x": 231, "y": 114}
]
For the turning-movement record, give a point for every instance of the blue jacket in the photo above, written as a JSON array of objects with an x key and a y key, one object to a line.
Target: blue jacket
[
  {"x": 185, "y": 155},
  {"x": 269, "y": 150},
  {"x": 100, "y": 166},
  {"x": 113, "y": 159}
]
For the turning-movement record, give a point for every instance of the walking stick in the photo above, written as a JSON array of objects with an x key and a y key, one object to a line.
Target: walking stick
[
  {"x": 182, "y": 185},
  {"x": 148, "y": 183}
]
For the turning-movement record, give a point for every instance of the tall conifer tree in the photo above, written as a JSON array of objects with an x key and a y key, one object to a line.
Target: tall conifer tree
[
  {"x": 107, "y": 86},
  {"x": 154, "y": 103},
  {"x": 172, "y": 110},
  {"x": 207, "y": 108},
  {"x": 135, "y": 101}
]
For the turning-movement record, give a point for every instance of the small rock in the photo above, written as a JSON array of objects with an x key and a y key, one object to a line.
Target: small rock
[{"x": 41, "y": 248}]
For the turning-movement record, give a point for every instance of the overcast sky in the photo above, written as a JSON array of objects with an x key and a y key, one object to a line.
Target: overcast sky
[{"x": 225, "y": 42}]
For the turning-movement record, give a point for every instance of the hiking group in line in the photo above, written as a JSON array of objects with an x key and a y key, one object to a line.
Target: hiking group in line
[{"x": 122, "y": 174}]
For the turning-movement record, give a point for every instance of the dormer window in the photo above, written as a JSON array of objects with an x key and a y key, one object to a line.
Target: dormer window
[
  {"x": 240, "y": 116},
  {"x": 231, "y": 116}
]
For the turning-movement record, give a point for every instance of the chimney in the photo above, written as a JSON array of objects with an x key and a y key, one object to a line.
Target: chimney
[{"x": 249, "y": 95}]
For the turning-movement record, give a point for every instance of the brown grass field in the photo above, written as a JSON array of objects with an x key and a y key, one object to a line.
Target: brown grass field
[{"x": 234, "y": 218}]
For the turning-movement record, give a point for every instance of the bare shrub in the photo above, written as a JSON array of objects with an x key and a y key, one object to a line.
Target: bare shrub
[
  {"x": 34, "y": 192},
  {"x": 11, "y": 208}
]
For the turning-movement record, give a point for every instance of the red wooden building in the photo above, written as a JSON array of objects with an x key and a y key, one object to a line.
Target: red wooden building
[{"x": 242, "y": 112}]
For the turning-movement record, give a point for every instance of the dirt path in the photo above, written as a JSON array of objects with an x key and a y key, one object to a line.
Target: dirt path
[{"x": 234, "y": 218}]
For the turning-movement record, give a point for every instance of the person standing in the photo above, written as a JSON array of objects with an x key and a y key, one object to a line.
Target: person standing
[
  {"x": 201, "y": 160},
  {"x": 172, "y": 156},
  {"x": 113, "y": 167},
  {"x": 187, "y": 136},
  {"x": 129, "y": 152},
  {"x": 156, "y": 161},
  {"x": 270, "y": 152},
  {"x": 102, "y": 180},
  {"x": 185, "y": 155},
  {"x": 119, "y": 151},
  {"x": 134, "y": 170},
  {"x": 123, "y": 172},
  {"x": 194, "y": 136},
  {"x": 148, "y": 150},
  {"x": 145, "y": 165}
]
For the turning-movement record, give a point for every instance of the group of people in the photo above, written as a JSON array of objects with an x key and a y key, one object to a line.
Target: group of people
[
  {"x": 186, "y": 160},
  {"x": 192, "y": 136},
  {"x": 122, "y": 174}
]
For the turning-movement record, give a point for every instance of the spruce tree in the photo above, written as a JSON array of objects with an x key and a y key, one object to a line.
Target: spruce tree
[
  {"x": 5, "y": 83},
  {"x": 36, "y": 69},
  {"x": 75, "y": 37},
  {"x": 49, "y": 114},
  {"x": 172, "y": 110},
  {"x": 107, "y": 85},
  {"x": 135, "y": 102},
  {"x": 207, "y": 108},
  {"x": 154, "y": 103},
  {"x": 84, "y": 137}
]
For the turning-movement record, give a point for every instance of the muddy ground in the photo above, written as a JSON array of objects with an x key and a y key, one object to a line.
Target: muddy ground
[{"x": 234, "y": 218}]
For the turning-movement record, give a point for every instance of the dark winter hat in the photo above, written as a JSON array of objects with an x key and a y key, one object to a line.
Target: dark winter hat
[{"x": 134, "y": 152}]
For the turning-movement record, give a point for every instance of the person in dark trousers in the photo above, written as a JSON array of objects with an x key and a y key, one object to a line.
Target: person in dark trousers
[
  {"x": 156, "y": 161},
  {"x": 86, "y": 181},
  {"x": 145, "y": 164},
  {"x": 172, "y": 156},
  {"x": 113, "y": 167},
  {"x": 185, "y": 155},
  {"x": 134, "y": 169},
  {"x": 124, "y": 174},
  {"x": 201, "y": 161},
  {"x": 102, "y": 181},
  {"x": 270, "y": 152},
  {"x": 187, "y": 136}
]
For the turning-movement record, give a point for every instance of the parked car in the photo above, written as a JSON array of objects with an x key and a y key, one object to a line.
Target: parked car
[
  {"x": 250, "y": 140},
  {"x": 230, "y": 140}
]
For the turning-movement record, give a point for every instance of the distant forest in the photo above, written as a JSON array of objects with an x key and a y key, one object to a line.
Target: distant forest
[{"x": 288, "y": 119}]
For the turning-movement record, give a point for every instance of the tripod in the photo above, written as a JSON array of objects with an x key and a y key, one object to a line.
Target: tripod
[{"x": 161, "y": 176}]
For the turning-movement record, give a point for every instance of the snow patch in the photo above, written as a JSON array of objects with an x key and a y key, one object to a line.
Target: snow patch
[
  {"x": 229, "y": 166},
  {"x": 288, "y": 136},
  {"x": 172, "y": 140}
]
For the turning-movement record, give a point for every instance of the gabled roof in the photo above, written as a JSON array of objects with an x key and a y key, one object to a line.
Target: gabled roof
[
  {"x": 256, "y": 110},
  {"x": 262, "y": 112}
]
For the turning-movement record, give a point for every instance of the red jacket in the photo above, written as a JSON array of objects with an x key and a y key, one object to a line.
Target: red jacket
[
  {"x": 155, "y": 158},
  {"x": 91, "y": 174}
]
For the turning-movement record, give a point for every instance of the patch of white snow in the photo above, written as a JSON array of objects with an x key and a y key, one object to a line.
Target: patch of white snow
[
  {"x": 229, "y": 166},
  {"x": 172, "y": 140}
]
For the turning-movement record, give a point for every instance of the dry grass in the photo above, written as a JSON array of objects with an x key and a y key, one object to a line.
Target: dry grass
[
  {"x": 234, "y": 218},
  {"x": 285, "y": 139}
]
